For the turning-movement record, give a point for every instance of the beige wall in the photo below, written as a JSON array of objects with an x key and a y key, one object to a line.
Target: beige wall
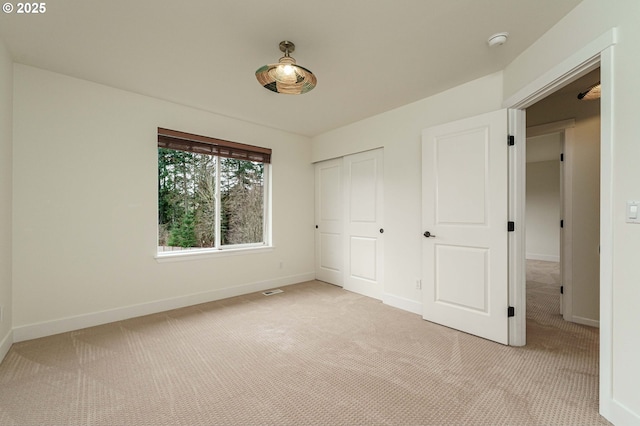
[
  {"x": 543, "y": 210},
  {"x": 85, "y": 207},
  {"x": 6, "y": 99}
]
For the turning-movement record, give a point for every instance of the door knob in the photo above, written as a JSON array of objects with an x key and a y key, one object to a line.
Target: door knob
[{"x": 428, "y": 234}]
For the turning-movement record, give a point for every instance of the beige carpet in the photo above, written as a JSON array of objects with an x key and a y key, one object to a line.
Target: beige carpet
[{"x": 313, "y": 355}]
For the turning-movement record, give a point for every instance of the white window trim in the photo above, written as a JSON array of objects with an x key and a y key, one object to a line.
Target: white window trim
[
  {"x": 227, "y": 250},
  {"x": 207, "y": 253}
]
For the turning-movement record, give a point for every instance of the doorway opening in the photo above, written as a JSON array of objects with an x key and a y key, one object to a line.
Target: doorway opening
[
  {"x": 544, "y": 220},
  {"x": 598, "y": 53},
  {"x": 563, "y": 199},
  {"x": 563, "y": 207}
]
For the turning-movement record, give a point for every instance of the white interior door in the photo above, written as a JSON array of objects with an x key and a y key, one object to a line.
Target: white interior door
[
  {"x": 464, "y": 210},
  {"x": 363, "y": 179},
  {"x": 329, "y": 211}
]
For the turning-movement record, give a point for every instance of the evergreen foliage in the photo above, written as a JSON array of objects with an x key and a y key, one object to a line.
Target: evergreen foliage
[
  {"x": 184, "y": 234},
  {"x": 188, "y": 201}
]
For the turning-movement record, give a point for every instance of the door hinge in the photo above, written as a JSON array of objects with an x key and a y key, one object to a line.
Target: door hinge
[
  {"x": 511, "y": 311},
  {"x": 561, "y": 223},
  {"x": 561, "y": 289},
  {"x": 511, "y": 140},
  {"x": 562, "y": 157},
  {"x": 511, "y": 226}
]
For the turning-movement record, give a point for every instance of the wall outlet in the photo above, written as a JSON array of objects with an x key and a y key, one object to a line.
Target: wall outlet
[
  {"x": 418, "y": 284},
  {"x": 281, "y": 264}
]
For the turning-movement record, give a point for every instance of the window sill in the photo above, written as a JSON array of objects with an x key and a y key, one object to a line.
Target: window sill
[{"x": 197, "y": 254}]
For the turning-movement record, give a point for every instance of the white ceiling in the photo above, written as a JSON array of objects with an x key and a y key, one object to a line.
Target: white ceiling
[{"x": 370, "y": 56}]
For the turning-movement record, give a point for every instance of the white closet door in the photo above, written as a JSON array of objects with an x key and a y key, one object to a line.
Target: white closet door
[
  {"x": 364, "y": 248},
  {"x": 329, "y": 212}
]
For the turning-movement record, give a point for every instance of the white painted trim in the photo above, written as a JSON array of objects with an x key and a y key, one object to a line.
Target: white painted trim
[
  {"x": 554, "y": 127},
  {"x": 620, "y": 414},
  {"x": 5, "y": 344},
  {"x": 543, "y": 257},
  {"x": 402, "y": 303},
  {"x": 598, "y": 52},
  {"x": 198, "y": 254},
  {"x": 608, "y": 405},
  {"x": 585, "y": 321},
  {"x": 517, "y": 239},
  {"x": 48, "y": 328},
  {"x": 566, "y": 233},
  {"x": 575, "y": 66}
]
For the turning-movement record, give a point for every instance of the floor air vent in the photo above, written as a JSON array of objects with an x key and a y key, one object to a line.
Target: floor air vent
[{"x": 271, "y": 292}]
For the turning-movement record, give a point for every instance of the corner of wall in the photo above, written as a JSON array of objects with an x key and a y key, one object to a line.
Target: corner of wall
[
  {"x": 6, "y": 197},
  {"x": 5, "y": 345}
]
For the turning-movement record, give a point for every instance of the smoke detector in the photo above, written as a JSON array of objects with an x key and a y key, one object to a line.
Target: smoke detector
[{"x": 497, "y": 39}]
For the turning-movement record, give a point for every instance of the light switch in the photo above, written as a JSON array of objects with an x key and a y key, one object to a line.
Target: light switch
[{"x": 632, "y": 211}]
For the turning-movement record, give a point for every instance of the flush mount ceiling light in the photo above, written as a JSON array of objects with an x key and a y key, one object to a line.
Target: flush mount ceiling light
[
  {"x": 285, "y": 76},
  {"x": 591, "y": 93}
]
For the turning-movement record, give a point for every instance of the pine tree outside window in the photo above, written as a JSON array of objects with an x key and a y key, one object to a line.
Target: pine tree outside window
[{"x": 212, "y": 194}]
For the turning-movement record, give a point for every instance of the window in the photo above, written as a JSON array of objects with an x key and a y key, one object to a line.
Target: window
[{"x": 212, "y": 194}]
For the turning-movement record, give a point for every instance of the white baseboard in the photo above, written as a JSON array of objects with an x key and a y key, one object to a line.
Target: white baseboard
[
  {"x": 545, "y": 257},
  {"x": 402, "y": 303},
  {"x": 48, "y": 328},
  {"x": 585, "y": 321},
  {"x": 5, "y": 344},
  {"x": 619, "y": 414}
]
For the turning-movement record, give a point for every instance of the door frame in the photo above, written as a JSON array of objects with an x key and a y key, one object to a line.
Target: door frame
[{"x": 598, "y": 53}]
